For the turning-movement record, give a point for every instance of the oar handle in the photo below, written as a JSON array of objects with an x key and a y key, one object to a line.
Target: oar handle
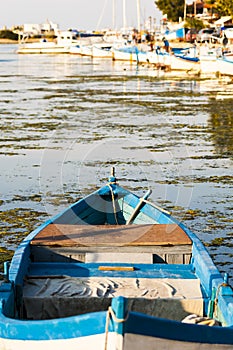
[{"x": 137, "y": 208}]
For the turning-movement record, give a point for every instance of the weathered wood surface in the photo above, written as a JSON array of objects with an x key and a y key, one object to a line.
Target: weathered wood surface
[
  {"x": 179, "y": 254},
  {"x": 111, "y": 235}
]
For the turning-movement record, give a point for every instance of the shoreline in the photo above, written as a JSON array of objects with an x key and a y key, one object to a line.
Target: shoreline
[
  {"x": 8, "y": 41},
  {"x": 173, "y": 43}
]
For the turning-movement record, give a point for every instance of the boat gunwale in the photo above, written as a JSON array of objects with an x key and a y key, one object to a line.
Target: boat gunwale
[{"x": 201, "y": 263}]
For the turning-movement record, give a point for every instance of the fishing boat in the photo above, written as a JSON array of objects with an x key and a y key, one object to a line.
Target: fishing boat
[
  {"x": 225, "y": 65},
  {"x": 92, "y": 50},
  {"x": 62, "y": 44},
  {"x": 114, "y": 271},
  {"x": 130, "y": 53},
  {"x": 125, "y": 53},
  {"x": 102, "y": 51},
  {"x": 185, "y": 60},
  {"x": 159, "y": 58},
  {"x": 76, "y": 49},
  {"x": 208, "y": 59}
]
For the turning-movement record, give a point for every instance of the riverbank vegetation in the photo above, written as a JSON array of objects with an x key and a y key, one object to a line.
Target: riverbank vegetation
[
  {"x": 175, "y": 9},
  {"x": 8, "y": 35}
]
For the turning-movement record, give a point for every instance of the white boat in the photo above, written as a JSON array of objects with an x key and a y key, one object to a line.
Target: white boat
[
  {"x": 86, "y": 50},
  {"x": 142, "y": 57},
  {"x": 76, "y": 49},
  {"x": 228, "y": 52},
  {"x": 127, "y": 53},
  {"x": 208, "y": 60},
  {"x": 83, "y": 47},
  {"x": 186, "y": 60},
  {"x": 229, "y": 33},
  {"x": 143, "y": 50},
  {"x": 102, "y": 51},
  {"x": 96, "y": 49},
  {"x": 114, "y": 37},
  {"x": 225, "y": 65},
  {"x": 130, "y": 53},
  {"x": 160, "y": 59},
  {"x": 62, "y": 44}
]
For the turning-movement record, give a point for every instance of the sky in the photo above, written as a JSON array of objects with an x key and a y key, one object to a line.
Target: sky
[{"x": 76, "y": 14}]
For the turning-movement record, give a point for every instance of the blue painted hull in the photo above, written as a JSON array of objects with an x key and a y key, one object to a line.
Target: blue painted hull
[
  {"x": 113, "y": 235},
  {"x": 187, "y": 58}
]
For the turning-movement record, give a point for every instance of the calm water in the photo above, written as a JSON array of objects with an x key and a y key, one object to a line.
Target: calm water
[{"x": 66, "y": 120}]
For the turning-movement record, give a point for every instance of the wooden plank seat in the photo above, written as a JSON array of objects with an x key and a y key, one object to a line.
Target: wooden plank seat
[{"x": 60, "y": 235}]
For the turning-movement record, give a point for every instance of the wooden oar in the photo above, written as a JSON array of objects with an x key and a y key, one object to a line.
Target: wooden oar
[{"x": 138, "y": 207}]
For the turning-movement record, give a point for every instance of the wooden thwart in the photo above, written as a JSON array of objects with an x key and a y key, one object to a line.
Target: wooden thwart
[
  {"x": 116, "y": 268},
  {"x": 111, "y": 235}
]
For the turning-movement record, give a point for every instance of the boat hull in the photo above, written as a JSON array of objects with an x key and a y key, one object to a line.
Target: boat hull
[
  {"x": 138, "y": 342},
  {"x": 114, "y": 271},
  {"x": 208, "y": 66},
  {"x": 160, "y": 59},
  {"x": 123, "y": 55},
  {"x": 89, "y": 342},
  {"x": 135, "y": 331},
  {"x": 64, "y": 40},
  {"x": 97, "y": 342},
  {"x": 49, "y": 48},
  {"x": 183, "y": 63},
  {"x": 101, "y": 52},
  {"x": 225, "y": 66},
  {"x": 76, "y": 50}
]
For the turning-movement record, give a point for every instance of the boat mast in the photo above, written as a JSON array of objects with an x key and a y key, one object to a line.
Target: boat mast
[
  {"x": 113, "y": 14},
  {"x": 185, "y": 10},
  {"x": 138, "y": 16},
  {"x": 124, "y": 15}
]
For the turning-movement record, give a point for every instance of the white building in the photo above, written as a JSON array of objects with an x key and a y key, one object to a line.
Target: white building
[{"x": 38, "y": 29}]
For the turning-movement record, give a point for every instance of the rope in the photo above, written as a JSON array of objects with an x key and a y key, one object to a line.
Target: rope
[
  {"x": 116, "y": 319},
  {"x": 199, "y": 320},
  {"x": 113, "y": 204},
  {"x": 106, "y": 330},
  {"x": 207, "y": 322},
  {"x": 111, "y": 313}
]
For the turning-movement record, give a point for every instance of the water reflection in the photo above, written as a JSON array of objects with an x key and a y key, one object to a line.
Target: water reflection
[
  {"x": 221, "y": 126},
  {"x": 66, "y": 120}
]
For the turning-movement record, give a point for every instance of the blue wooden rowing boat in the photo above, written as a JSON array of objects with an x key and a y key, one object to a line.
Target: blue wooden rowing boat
[{"x": 114, "y": 271}]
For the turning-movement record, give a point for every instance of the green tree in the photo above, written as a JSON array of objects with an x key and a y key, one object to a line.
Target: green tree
[
  {"x": 192, "y": 22},
  {"x": 8, "y": 34},
  {"x": 173, "y": 8},
  {"x": 224, "y": 7}
]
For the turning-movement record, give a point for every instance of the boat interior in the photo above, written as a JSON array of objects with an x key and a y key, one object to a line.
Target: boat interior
[
  {"x": 77, "y": 269},
  {"x": 112, "y": 243}
]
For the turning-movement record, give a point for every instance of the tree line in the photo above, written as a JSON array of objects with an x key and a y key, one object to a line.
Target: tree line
[
  {"x": 174, "y": 9},
  {"x": 8, "y": 34}
]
